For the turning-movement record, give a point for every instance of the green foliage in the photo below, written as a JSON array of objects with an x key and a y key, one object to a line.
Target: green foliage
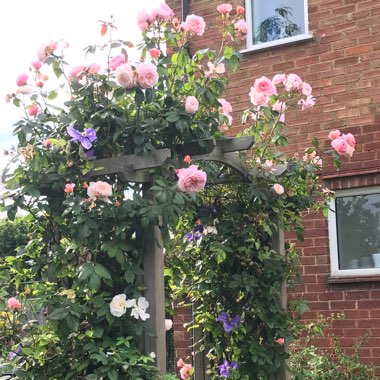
[
  {"x": 13, "y": 234},
  {"x": 308, "y": 361}
]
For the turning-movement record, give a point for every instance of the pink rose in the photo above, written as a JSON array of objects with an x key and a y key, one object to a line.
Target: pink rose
[
  {"x": 306, "y": 89},
  {"x": 186, "y": 371},
  {"x": 191, "y": 179},
  {"x": 340, "y": 145},
  {"x": 280, "y": 341},
  {"x": 292, "y": 82},
  {"x": 14, "y": 303},
  {"x": 195, "y": 24},
  {"x": 116, "y": 61},
  {"x": 224, "y": 8},
  {"x": 258, "y": 99},
  {"x": 45, "y": 51},
  {"x": 187, "y": 159},
  {"x": 34, "y": 110},
  {"x": 93, "y": 68},
  {"x": 278, "y": 189},
  {"x": 168, "y": 324},
  {"x": 22, "y": 80},
  {"x": 242, "y": 27},
  {"x": 99, "y": 190},
  {"x": 264, "y": 86},
  {"x": 180, "y": 363},
  {"x": 213, "y": 70},
  {"x": 147, "y": 75},
  {"x": 279, "y": 78},
  {"x": 125, "y": 76},
  {"x": 240, "y": 10},
  {"x": 334, "y": 134},
  {"x": 69, "y": 187},
  {"x": 309, "y": 102},
  {"x": 279, "y": 106},
  {"x": 191, "y": 104},
  {"x": 350, "y": 139},
  {"x": 36, "y": 64},
  {"x": 154, "y": 53},
  {"x": 163, "y": 12},
  {"x": 76, "y": 73},
  {"x": 226, "y": 109}
]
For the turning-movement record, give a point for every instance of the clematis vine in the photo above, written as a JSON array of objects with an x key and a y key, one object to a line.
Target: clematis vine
[
  {"x": 85, "y": 138},
  {"x": 226, "y": 368},
  {"x": 229, "y": 323}
]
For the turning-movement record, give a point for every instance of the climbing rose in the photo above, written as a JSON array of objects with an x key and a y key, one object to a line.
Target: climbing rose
[
  {"x": 306, "y": 89},
  {"x": 147, "y": 75},
  {"x": 139, "y": 308},
  {"x": 125, "y": 76},
  {"x": 34, "y": 110},
  {"x": 76, "y": 72},
  {"x": 240, "y": 10},
  {"x": 69, "y": 187},
  {"x": 99, "y": 190},
  {"x": 224, "y": 8},
  {"x": 279, "y": 78},
  {"x": 180, "y": 363},
  {"x": 187, "y": 159},
  {"x": 142, "y": 19},
  {"x": 186, "y": 371},
  {"x": 280, "y": 341},
  {"x": 14, "y": 303},
  {"x": 307, "y": 103},
  {"x": 118, "y": 305},
  {"x": 194, "y": 24},
  {"x": 292, "y": 82},
  {"x": 191, "y": 179},
  {"x": 214, "y": 70},
  {"x": 226, "y": 109},
  {"x": 116, "y": 61},
  {"x": 279, "y": 189},
  {"x": 45, "y": 51},
  {"x": 36, "y": 64},
  {"x": 191, "y": 104},
  {"x": 241, "y": 26},
  {"x": 93, "y": 68},
  {"x": 168, "y": 324},
  {"x": 163, "y": 12},
  {"x": 334, "y": 134},
  {"x": 22, "y": 80},
  {"x": 264, "y": 86}
]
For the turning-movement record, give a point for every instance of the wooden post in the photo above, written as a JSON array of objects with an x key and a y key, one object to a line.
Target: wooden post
[{"x": 278, "y": 242}]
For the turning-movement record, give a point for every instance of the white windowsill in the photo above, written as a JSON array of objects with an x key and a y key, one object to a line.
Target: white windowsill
[
  {"x": 356, "y": 272},
  {"x": 283, "y": 41}
]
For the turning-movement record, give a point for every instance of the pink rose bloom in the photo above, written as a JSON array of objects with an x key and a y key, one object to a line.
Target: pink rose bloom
[
  {"x": 186, "y": 371},
  {"x": 279, "y": 189},
  {"x": 279, "y": 106},
  {"x": 309, "y": 102},
  {"x": 93, "y": 68},
  {"x": 349, "y": 151},
  {"x": 45, "y": 51},
  {"x": 164, "y": 13},
  {"x": 213, "y": 70},
  {"x": 116, "y": 61},
  {"x": 195, "y": 24},
  {"x": 224, "y": 8},
  {"x": 69, "y": 187},
  {"x": 240, "y": 10},
  {"x": 340, "y": 145},
  {"x": 191, "y": 179},
  {"x": 242, "y": 27},
  {"x": 187, "y": 159},
  {"x": 334, "y": 134},
  {"x": 168, "y": 324},
  {"x": 99, "y": 190},
  {"x": 76, "y": 73},
  {"x": 226, "y": 109},
  {"x": 292, "y": 81},
  {"x": 34, "y": 110},
  {"x": 14, "y": 303},
  {"x": 36, "y": 64},
  {"x": 25, "y": 90},
  {"x": 280, "y": 341},
  {"x": 22, "y": 80},
  {"x": 350, "y": 139},
  {"x": 306, "y": 89},
  {"x": 142, "y": 16},
  {"x": 180, "y": 363},
  {"x": 279, "y": 78},
  {"x": 147, "y": 75},
  {"x": 154, "y": 53},
  {"x": 258, "y": 99},
  {"x": 191, "y": 104},
  {"x": 264, "y": 86},
  {"x": 125, "y": 76}
]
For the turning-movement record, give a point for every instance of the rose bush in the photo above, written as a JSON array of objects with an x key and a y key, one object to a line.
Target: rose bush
[{"x": 82, "y": 266}]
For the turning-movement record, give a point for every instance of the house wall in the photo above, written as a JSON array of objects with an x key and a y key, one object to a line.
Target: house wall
[{"x": 342, "y": 64}]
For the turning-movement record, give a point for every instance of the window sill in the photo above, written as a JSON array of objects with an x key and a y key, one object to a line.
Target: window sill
[
  {"x": 284, "y": 41},
  {"x": 352, "y": 279}
]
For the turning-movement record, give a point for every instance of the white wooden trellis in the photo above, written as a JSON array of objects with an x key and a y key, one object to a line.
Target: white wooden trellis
[{"x": 136, "y": 168}]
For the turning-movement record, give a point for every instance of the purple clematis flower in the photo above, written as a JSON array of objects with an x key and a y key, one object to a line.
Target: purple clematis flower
[
  {"x": 195, "y": 233},
  {"x": 229, "y": 323},
  {"x": 226, "y": 368},
  {"x": 85, "y": 138}
]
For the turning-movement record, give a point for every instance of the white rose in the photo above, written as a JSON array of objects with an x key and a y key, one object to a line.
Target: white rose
[{"x": 118, "y": 305}]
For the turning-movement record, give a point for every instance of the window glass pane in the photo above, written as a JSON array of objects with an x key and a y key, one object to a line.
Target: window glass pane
[
  {"x": 358, "y": 231},
  {"x": 277, "y": 19}
]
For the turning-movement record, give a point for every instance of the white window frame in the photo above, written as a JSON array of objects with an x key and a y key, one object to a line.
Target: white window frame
[
  {"x": 266, "y": 45},
  {"x": 333, "y": 238}
]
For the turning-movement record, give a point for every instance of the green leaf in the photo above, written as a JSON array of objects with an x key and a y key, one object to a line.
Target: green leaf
[
  {"x": 112, "y": 374},
  {"x": 85, "y": 271},
  {"x": 220, "y": 256},
  {"x": 94, "y": 282},
  {"x": 139, "y": 96},
  {"x": 102, "y": 272},
  {"x": 59, "y": 314},
  {"x": 52, "y": 95},
  {"x": 72, "y": 322}
]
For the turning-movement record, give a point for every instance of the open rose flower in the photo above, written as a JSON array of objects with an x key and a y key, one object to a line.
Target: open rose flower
[
  {"x": 125, "y": 76},
  {"x": 147, "y": 75},
  {"x": 118, "y": 305},
  {"x": 264, "y": 86},
  {"x": 191, "y": 104},
  {"x": 116, "y": 61},
  {"x": 14, "y": 303},
  {"x": 194, "y": 24},
  {"x": 186, "y": 371},
  {"x": 224, "y": 8},
  {"x": 191, "y": 179},
  {"x": 278, "y": 189},
  {"x": 22, "y": 80},
  {"x": 99, "y": 190}
]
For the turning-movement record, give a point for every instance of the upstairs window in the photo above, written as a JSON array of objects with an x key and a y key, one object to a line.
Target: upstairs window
[
  {"x": 276, "y": 22},
  {"x": 354, "y": 232}
]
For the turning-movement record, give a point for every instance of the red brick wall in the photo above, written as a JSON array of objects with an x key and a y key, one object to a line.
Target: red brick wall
[{"x": 342, "y": 64}]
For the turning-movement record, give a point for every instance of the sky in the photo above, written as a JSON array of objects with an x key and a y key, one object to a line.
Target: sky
[{"x": 27, "y": 25}]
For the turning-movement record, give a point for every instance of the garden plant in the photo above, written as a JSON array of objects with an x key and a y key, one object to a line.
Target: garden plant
[{"x": 76, "y": 293}]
